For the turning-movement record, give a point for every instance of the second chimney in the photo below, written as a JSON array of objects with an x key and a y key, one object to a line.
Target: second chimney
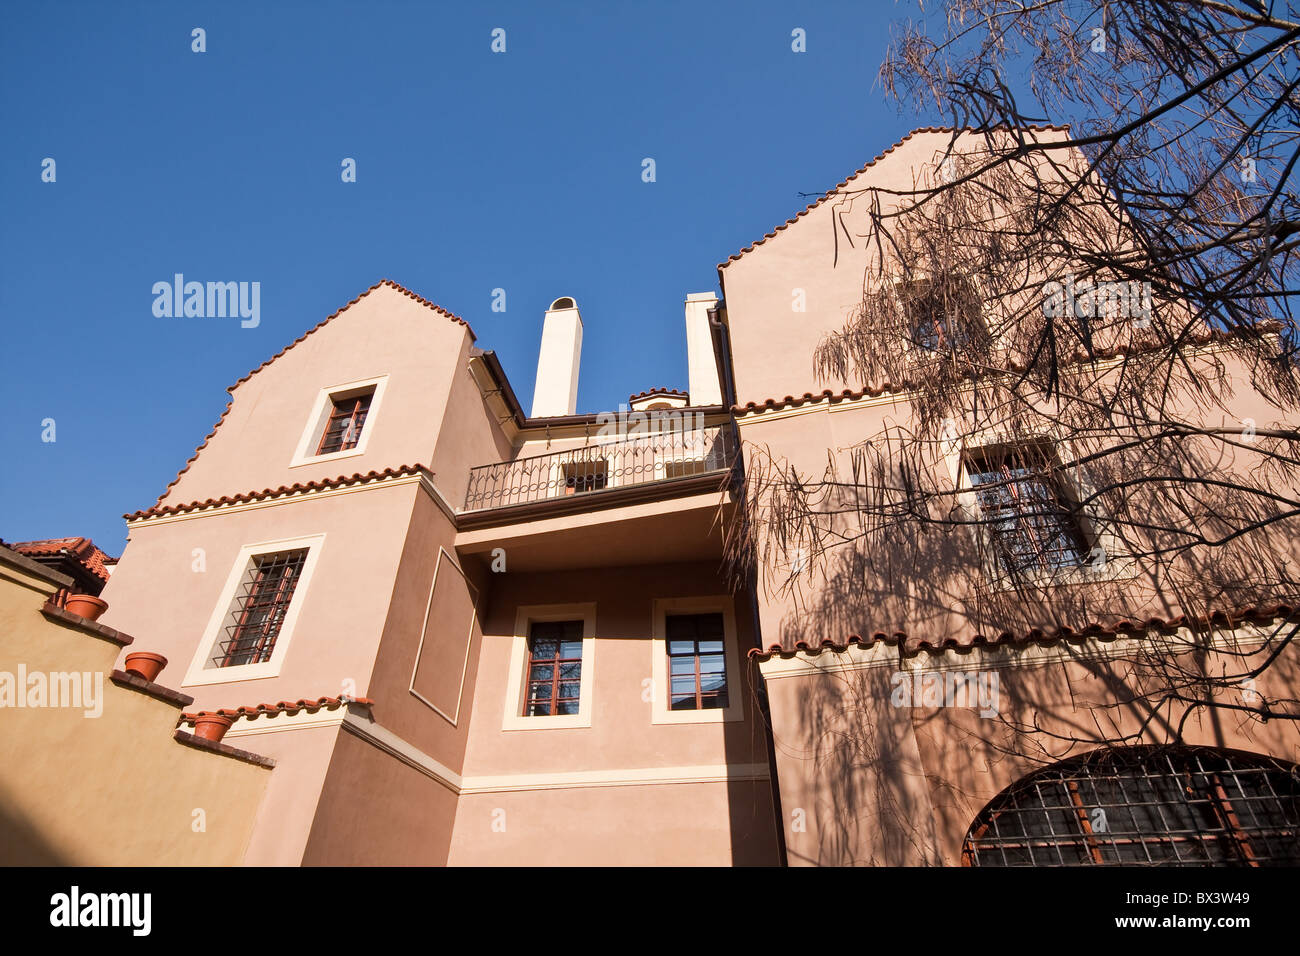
[
  {"x": 705, "y": 385},
  {"x": 556, "y": 389}
]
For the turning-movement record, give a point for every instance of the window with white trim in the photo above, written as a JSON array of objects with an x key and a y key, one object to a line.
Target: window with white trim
[
  {"x": 248, "y": 633},
  {"x": 695, "y": 664},
  {"x": 1027, "y": 508},
  {"x": 341, "y": 421},
  {"x": 552, "y": 660}
]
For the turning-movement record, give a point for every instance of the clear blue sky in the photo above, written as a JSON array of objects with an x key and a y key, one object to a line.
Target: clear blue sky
[{"x": 474, "y": 171}]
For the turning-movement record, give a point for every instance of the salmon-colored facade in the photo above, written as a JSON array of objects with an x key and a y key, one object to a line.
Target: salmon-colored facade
[{"x": 525, "y": 624}]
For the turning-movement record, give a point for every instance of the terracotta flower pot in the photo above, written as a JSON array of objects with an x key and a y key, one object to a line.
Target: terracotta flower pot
[
  {"x": 87, "y": 605},
  {"x": 145, "y": 664},
  {"x": 211, "y": 726}
]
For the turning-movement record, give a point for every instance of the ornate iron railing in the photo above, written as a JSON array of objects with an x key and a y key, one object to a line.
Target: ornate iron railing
[{"x": 591, "y": 469}]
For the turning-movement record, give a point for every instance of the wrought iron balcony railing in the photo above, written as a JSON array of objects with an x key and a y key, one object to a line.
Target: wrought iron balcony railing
[{"x": 591, "y": 469}]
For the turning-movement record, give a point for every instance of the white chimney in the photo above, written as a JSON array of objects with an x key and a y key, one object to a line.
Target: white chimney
[
  {"x": 556, "y": 390},
  {"x": 702, "y": 366}
]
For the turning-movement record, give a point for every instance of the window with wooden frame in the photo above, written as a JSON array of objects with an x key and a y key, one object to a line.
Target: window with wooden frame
[
  {"x": 697, "y": 664},
  {"x": 554, "y": 679},
  {"x": 1183, "y": 806},
  {"x": 1026, "y": 507},
  {"x": 941, "y": 317},
  {"x": 343, "y": 428},
  {"x": 261, "y": 603},
  {"x": 582, "y": 476}
]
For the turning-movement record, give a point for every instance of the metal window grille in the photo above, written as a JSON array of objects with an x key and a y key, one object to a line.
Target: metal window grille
[
  {"x": 343, "y": 430},
  {"x": 554, "y": 668},
  {"x": 1026, "y": 510},
  {"x": 1146, "y": 807},
  {"x": 697, "y": 665},
  {"x": 260, "y": 606}
]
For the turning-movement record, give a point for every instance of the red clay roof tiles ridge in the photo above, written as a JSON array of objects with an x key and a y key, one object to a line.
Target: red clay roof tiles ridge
[
  {"x": 657, "y": 391},
  {"x": 1013, "y": 365},
  {"x": 311, "y": 705},
  {"x": 400, "y": 471},
  {"x": 1233, "y": 618},
  {"x": 382, "y": 282},
  {"x": 84, "y": 550},
  {"x": 811, "y": 206}
]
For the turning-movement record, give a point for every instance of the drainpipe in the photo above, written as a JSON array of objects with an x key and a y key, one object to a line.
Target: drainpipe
[{"x": 722, "y": 352}]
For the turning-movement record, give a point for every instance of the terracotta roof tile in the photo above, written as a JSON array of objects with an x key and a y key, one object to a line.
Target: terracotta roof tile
[
  {"x": 382, "y": 282},
  {"x": 283, "y": 707},
  {"x": 296, "y": 488},
  {"x": 811, "y": 206},
  {"x": 82, "y": 549},
  {"x": 913, "y": 645},
  {"x": 658, "y": 391}
]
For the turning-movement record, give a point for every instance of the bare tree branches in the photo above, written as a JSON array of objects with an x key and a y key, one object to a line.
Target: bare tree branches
[{"x": 1065, "y": 325}]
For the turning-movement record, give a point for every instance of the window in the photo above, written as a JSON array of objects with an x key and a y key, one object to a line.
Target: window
[
  {"x": 1150, "y": 806},
  {"x": 695, "y": 661},
  {"x": 685, "y": 467},
  {"x": 697, "y": 665},
  {"x": 343, "y": 430},
  {"x": 940, "y": 319},
  {"x": 580, "y": 476},
  {"x": 341, "y": 422},
  {"x": 261, "y": 605},
  {"x": 554, "y": 668},
  {"x": 1033, "y": 523},
  {"x": 255, "y": 615}
]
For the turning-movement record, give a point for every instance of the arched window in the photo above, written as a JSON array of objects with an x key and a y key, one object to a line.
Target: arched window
[{"x": 1162, "y": 806}]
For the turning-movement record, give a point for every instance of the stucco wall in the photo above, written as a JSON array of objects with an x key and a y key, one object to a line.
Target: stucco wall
[
  {"x": 864, "y": 782},
  {"x": 623, "y": 817},
  {"x": 157, "y": 594},
  {"x": 112, "y": 790},
  {"x": 385, "y": 333}
]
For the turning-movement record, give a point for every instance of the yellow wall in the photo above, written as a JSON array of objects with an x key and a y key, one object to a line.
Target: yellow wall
[{"x": 109, "y": 790}]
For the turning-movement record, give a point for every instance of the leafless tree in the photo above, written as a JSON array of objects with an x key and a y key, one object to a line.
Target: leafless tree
[{"x": 1071, "y": 315}]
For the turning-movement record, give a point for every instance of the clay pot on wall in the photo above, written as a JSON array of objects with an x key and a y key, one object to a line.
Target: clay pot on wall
[
  {"x": 211, "y": 726},
  {"x": 144, "y": 664},
  {"x": 86, "y": 605}
]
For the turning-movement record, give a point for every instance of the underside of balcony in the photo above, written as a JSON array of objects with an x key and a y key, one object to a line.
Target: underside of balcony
[{"x": 648, "y": 499}]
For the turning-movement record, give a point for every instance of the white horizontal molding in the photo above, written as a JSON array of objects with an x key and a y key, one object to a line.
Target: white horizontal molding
[
  {"x": 375, "y": 734},
  {"x": 256, "y": 725},
  {"x": 644, "y": 776}
]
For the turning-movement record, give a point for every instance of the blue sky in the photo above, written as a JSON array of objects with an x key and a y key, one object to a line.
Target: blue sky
[{"x": 475, "y": 171}]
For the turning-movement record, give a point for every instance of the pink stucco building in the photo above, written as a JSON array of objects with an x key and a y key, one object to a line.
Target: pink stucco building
[{"x": 469, "y": 632}]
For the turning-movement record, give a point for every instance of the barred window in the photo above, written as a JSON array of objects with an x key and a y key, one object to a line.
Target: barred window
[
  {"x": 1184, "y": 806},
  {"x": 260, "y": 607},
  {"x": 343, "y": 430},
  {"x": 697, "y": 666},
  {"x": 554, "y": 668},
  {"x": 1031, "y": 518}
]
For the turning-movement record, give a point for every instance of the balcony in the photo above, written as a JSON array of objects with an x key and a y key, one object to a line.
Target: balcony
[{"x": 646, "y": 466}]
